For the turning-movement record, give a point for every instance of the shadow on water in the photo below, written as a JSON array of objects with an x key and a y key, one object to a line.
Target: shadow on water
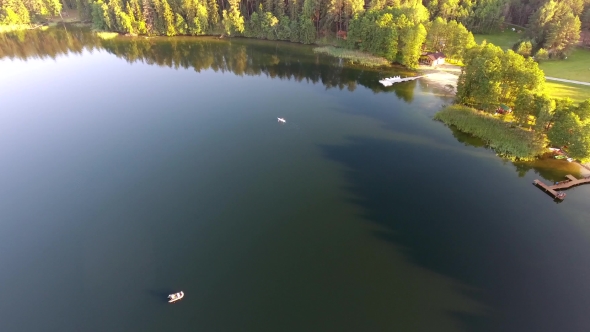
[
  {"x": 503, "y": 247},
  {"x": 547, "y": 167},
  {"x": 160, "y": 295}
]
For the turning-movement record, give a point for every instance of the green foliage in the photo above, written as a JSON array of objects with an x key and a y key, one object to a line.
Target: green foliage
[
  {"x": 100, "y": 16},
  {"x": 307, "y": 29},
  {"x": 213, "y": 13},
  {"x": 486, "y": 15},
  {"x": 452, "y": 38},
  {"x": 269, "y": 24},
  {"x": 563, "y": 35},
  {"x": 284, "y": 28},
  {"x": 307, "y": 33},
  {"x": 411, "y": 40},
  {"x": 508, "y": 141},
  {"x": 524, "y": 48},
  {"x": 449, "y": 9},
  {"x": 294, "y": 28},
  {"x": 491, "y": 77},
  {"x": 14, "y": 12},
  {"x": 232, "y": 19},
  {"x": 571, "y": 132},
  {"x": 554, "y": 27},
  {"x": 168, "y": 19},
  {"x": 396, "y": 34},
  {"x": 181, "y": 27},
  {"x": 541, "y": 55}
]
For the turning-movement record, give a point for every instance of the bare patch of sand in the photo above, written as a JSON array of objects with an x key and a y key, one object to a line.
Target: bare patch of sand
[{"x": 445, "y": 76}]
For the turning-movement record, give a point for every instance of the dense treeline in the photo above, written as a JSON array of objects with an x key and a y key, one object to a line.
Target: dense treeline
[
  {"x": 18, "y": 12},
  {"x": 492, "y": 77},
  {"x": 553, "y": 26}
]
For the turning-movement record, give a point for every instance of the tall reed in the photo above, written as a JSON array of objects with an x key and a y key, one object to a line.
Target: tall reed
[{"x": 507, "y": 140}]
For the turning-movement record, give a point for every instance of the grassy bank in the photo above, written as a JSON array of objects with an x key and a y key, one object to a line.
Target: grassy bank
[
  {"x": 576, "y": 67},
  {"x": 355, "y": 57},
  {"x": 510, "y": 142},
  {"x": 505, "y": 39},
  {"x": 576, "y": 92}
]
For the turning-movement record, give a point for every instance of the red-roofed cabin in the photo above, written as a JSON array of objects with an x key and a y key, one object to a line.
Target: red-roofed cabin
[{"x": 433, "y": 59}]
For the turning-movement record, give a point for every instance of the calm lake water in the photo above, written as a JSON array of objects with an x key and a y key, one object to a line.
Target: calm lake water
[{"x": 133, "y": 168}]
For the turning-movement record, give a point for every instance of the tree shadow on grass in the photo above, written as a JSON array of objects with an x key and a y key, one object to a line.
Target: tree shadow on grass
[{"x": 467, "y": 219}]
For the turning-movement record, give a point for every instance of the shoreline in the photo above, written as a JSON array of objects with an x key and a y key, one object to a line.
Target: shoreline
[{"x": 442, "y": 76}]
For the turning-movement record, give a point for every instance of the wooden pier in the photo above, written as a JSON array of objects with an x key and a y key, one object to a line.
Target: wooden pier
[
  {"x": 397, "y": 79},
  {"x": 553, "y": 189}
]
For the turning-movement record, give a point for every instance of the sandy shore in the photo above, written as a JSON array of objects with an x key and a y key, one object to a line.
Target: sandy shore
[{"x": 443, "y": 76}]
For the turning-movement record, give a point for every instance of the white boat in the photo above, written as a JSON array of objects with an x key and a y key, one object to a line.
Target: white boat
[
  {"x": 282, "y": 120},
  {"x": 175, "y": 297}
]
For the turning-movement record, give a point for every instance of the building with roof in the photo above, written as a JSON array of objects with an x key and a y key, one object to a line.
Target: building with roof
[{"x": 433, "y": 58}]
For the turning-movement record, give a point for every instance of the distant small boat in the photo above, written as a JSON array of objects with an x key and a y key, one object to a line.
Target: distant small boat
[
  {"x": 175, "y": 297},
  {"x": 282, "y": 120}
]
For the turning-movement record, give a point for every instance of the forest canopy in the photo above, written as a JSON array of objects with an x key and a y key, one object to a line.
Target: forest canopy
[{"x": 391, "y": 28}]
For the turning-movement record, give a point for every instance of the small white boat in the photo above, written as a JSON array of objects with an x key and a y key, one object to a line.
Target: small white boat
[
  {"x": 175, "y": 297},
  {"x": 281, "y": 120}
]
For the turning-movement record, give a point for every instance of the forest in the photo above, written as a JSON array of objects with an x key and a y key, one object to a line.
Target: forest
[
  {"x": 394, "y": 29},
  {"x": 491, "y": 77}
]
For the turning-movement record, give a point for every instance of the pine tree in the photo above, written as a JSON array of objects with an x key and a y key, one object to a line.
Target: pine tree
[
  {"x": 294, "y": 9},
  {"x": 284, "y": 29},
  {"x": 213, "y": 12},
  {"x": 168, "y": 19},
  {"x": 411, "y": 39},
  {"x": 149, "y": 17},
  {"x": 268, "y": 5},
  {"x": 233, "y": 21},
  {"x": 84, "y": 9},
  {"x": 294, "y": 31},
  {"x": 279, "y": 8},
  {"x": 563, "y": 35},
  {"x": 307, "y": 30},
  {"x": 54, "y": 7},
  {"x": 180, "y": 27}
]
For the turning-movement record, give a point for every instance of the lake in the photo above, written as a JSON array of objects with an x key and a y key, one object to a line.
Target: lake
[{"x": 134, "y": 168}]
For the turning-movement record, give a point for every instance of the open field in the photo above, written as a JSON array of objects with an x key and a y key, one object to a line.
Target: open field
[
  {"x": 505, "y": 39},
  {"x": 576, "y": 92},
  {"x": 576, "y": 67}
]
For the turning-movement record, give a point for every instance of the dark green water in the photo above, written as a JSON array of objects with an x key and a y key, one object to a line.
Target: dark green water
[{"x": 135, "y": 168}]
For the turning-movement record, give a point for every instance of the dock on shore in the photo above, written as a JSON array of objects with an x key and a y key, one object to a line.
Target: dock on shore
[
  {"x": 397, "y": 79},
  {"x": 553, "y": 189}
]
